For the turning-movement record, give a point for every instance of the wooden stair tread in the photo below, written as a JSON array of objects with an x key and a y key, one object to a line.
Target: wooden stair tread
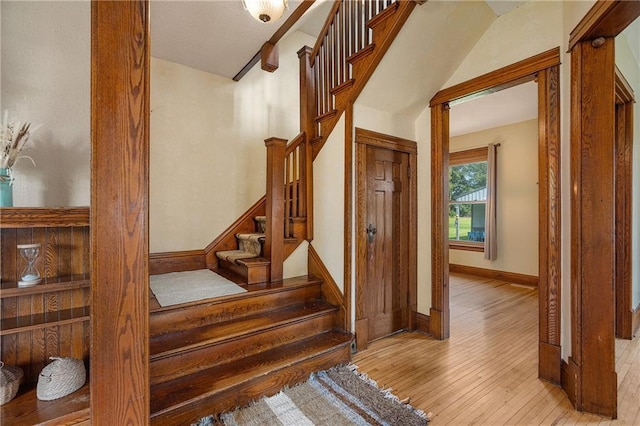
[
  {"x": 189, "y": 389},
  {"x": 166, "y": 345}
]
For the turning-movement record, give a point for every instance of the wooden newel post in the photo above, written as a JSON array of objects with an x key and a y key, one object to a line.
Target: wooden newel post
[
  {"x": 274, "y": 232},
  {"x": 308, "y": 113}
]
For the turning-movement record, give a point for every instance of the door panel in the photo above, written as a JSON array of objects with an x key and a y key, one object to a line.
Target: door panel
[{"x": 386, "y": 287}]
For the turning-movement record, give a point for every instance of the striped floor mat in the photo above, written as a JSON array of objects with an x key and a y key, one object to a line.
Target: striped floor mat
[{"x": 339, "y": 396}]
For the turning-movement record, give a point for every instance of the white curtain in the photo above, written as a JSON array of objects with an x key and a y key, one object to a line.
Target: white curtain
[{"x": 490, "y": 234}]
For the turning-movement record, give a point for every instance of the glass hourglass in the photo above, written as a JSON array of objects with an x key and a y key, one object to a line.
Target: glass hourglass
[{"x": 30, "y": 274}]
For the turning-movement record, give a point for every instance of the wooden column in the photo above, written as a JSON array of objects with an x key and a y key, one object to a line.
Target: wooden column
[
  {"x": 274, "y": 235},
  {"x": 439, "y": 313},
  {"x": 593, "y": 228},
  {"x": 549, "y": 350},
  {"x": 119, "y": 213},
  {"x": 308, "y": 112}
]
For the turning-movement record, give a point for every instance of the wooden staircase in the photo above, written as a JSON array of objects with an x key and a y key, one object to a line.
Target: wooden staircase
[{"x": 210, "y": 357}]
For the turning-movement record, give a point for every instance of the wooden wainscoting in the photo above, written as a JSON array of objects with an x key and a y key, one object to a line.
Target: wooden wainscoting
[{"x": 176, "y": 261}]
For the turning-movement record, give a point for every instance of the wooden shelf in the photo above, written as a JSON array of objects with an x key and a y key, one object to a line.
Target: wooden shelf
[
  {"x": 43, "y": 320},
  {"x": 48, "y": 285},
  {"x": 26, "y": 409},
  {"x": 38, "y": 217}
]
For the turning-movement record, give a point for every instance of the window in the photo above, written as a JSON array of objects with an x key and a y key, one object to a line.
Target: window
[{"x": 467, "y": 199}]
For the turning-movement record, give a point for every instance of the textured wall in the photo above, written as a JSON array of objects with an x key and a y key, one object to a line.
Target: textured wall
[{"x": 46, "y": 60}]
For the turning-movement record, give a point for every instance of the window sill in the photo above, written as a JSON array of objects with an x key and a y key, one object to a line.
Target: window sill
[{"x": 467, "y": 246}]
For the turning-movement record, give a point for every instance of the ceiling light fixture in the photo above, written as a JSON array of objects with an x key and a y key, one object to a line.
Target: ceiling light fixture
[{"x": 265, "y": 10}]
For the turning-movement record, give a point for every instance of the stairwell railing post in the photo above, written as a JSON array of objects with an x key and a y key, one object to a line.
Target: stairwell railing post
[
  {"x": 308, "y": 113},
  {"x": 274, "y": 232}
]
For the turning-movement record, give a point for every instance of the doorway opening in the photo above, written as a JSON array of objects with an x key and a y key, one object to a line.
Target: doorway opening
[{"x": 543, "y": 68}]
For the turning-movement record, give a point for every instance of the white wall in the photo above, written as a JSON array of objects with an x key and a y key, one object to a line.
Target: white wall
[
  {"x": 208, "y": 157},
  {"x": 328, "y": 204},
  {"x": 517, "y": 197},
  {"x": 46, "y": 65},
  {"x": 630, "y": 67}
]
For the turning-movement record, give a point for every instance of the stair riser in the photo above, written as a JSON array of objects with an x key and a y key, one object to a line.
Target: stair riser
[
  {"x": 184, "y": 363},
  {"x": 205, "y": 314},
  {"x": 244, "y": 393},
  {"x": 253, "y": 275}
]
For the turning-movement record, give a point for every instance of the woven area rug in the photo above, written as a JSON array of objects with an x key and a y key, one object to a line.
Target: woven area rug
[
  {"x": 182, "y": 287},
  {"x": 339, "y": 396}
]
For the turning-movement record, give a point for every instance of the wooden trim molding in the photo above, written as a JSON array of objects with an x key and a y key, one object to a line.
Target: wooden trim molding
[
  {"x": 439, "y": 314},
  {"x": 497, "y": 80},
  {"x": 512, "y": 277},
  {"x": 120, "y": 90},
  {"x": 592, "y": 202},
  {"x": 176, "y": 261},
  {"x": 592, "y": 217},
  {"x": 545, "y": 68},
  {"x": 466, "y": 246},
  {"x": 330, "y": 290},
  {"x": 38, "y": 217},
  {"x": 604, "y": 19},
  {"x": 421, "y": 322},
  {"x": 624, "y": 110},
  {"x": 468, "y": 156}
]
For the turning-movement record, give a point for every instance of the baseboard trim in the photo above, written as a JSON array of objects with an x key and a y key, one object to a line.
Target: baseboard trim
[
  {"x": 635, "y": 322},
  {"x": 330, "y": 290},
  {"x": 550, "y": 363},
  {"x": 512, "y": 277},
  {"x": 421, "y": 322},
  {"x": 176, "y": 261},
  {"x": 568, "y": 380}
]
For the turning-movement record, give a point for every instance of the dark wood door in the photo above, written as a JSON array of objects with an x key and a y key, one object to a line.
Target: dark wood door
[{"x": 386, "y": 286}]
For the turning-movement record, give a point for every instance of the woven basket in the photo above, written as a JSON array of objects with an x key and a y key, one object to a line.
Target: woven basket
[
  {"x": 10, "y": 378},
  {"x": 60, "y": 378}
]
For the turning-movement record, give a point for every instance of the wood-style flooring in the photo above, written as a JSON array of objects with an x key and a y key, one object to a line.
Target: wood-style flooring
[{"x": 486, "y": 373}]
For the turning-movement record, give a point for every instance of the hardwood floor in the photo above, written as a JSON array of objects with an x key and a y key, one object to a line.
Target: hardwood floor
[{"x": 486, "y": 373}]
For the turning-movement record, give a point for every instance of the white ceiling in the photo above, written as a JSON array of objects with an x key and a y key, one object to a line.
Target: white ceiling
[
  {"x": 217, "y": 36},
  {"x": 220, "y": 37}
]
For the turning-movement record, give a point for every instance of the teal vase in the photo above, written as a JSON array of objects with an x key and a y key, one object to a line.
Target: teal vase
[{"x": 6, "y": 188}]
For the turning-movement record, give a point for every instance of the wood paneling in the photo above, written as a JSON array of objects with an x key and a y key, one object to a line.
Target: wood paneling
[
  {"x": 119, "y": 220},
  {"x": 544, "y": 67},
  {"x": 511, "y": 277}
]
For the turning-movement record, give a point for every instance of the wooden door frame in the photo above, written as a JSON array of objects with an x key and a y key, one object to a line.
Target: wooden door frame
[
  {"x": 545, "y": 68},
  {"x": 624, "y": 198},
  {"x": 363, "y": 139},
  {"x": 591, "y": 380}
]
